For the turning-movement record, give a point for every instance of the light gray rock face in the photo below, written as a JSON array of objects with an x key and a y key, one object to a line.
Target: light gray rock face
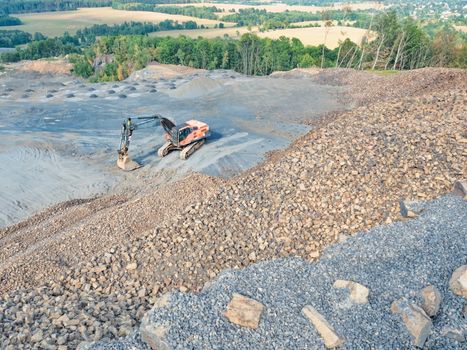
[
  {"x": 460, "y": 188},
  {"x": 154, "y": 334},
  {"x": 431, "y": 300},
  {"x": 456, "y": 334},
  {"x": 358, "y": 292},
  {"x": 415, "y": 319},
  {"x": 410, "y": 209}
]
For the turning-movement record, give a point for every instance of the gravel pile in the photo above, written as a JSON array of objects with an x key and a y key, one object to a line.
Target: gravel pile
[
  {"x": 343, "y": 177},
  {"x": 373, "y": 87},
  {"x": 75, "y": 231},
  {"x": 393, "y": 261}
]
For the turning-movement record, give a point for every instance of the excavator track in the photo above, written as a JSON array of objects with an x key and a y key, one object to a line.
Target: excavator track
[
  {"x": 189, "y": 150},
  {"x": 165, "y": 149}
]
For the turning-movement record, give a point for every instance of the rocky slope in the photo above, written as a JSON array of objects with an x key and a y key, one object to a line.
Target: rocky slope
[
  {"x": 345, "y": 176},
  {"x": 401, "y": 261}
]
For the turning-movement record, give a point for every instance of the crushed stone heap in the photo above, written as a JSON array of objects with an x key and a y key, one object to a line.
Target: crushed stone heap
[
  {"x": 393, "y": 262},
  {"x": 346, "y": 176}
]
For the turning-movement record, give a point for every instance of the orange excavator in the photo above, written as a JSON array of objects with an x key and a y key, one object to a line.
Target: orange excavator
[{"x": 186, "y": 137}]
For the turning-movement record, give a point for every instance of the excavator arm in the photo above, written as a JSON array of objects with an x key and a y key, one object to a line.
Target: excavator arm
[{"x": 128, "y": 126}]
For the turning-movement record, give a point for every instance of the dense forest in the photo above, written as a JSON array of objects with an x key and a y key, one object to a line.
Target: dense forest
[
  {"x": 249, "y": 55},
  {"x": 42, "y": 47},
  {"x": 23, "y": 6},
  {"x": 9, "y": 21},
  {"x": 88, "y": 35},
  {"x": 207, "y": 12},
  {"x": 12, "y": 38},
  {"x": 273, "y": 20}
]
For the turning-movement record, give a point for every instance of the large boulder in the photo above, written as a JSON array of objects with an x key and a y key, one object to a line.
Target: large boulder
[
  {"x": 431, "y": 300},
  {"x": 415, "y": 319},
  {"x": 330, "y": 337},
  {"x": 358, "y": 292},
  {"x": 153, "y": 334},
  {"x": 458, "y": 281},
  {"x": 244, "y": 311}
]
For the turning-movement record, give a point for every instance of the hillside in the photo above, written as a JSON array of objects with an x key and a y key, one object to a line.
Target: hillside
[{"x": 87, "y": 270}]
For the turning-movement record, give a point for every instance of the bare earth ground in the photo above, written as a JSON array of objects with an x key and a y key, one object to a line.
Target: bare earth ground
[
  {"x": 404, "y": 141},
  {"x": 308, "y": 36},
  {"x": 58, "y": 66},
  {"x": 60, "y": 135}
]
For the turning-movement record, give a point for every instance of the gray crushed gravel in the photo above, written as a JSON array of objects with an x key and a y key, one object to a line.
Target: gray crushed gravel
[{"x": 393, "y": 261}]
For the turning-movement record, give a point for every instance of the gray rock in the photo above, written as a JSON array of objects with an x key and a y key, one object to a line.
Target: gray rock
[
  {"x": 37, "y": 337},
  {"x": 460, "y": 188},
  {"x": 455, "y": 334},
  {"x": 154, "y": 334},
  {"x": 415, "y": 319},
  {"x": 358, "y": 292},
  {"x": 410, "y": 209}
]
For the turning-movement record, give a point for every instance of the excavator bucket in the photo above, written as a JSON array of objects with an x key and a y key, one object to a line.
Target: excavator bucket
[{"x": 125, "y": 163}]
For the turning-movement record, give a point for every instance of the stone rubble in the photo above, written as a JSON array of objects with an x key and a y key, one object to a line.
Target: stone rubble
[
  {"x": 355, "y": 167},
  {"x": 244, "y": 311}
]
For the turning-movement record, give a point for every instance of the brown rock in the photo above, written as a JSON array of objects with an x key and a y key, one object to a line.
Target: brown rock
[
  {"x": 431, "y": 300},
  {"x": 132, "y": 266},
  {"x": 330, "y": 337},
  {"x": 244, "y": 311},
  {"x": 458, "y": 281}
]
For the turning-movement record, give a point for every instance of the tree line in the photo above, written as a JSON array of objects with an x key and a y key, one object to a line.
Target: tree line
[
  {"x": 41, "y": 47},
  {"x": 404, "y": 43},
  {"x": 250, "y": 55},
  {"x": 207, "y": 12},
  {"x": 6, "y": 20},
  {"x": 391, "y": 42},
  {"x": 12, "y": 38},
  {"x": 275, "y": 20},
  {"x": 24, "y": 6}
]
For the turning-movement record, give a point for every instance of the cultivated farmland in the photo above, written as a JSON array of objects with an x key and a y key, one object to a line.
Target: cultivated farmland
[
  {"x": 56, "y": 23},
  {"x": 308, "y": 36},
  {"x": 284, "y": 7}
]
